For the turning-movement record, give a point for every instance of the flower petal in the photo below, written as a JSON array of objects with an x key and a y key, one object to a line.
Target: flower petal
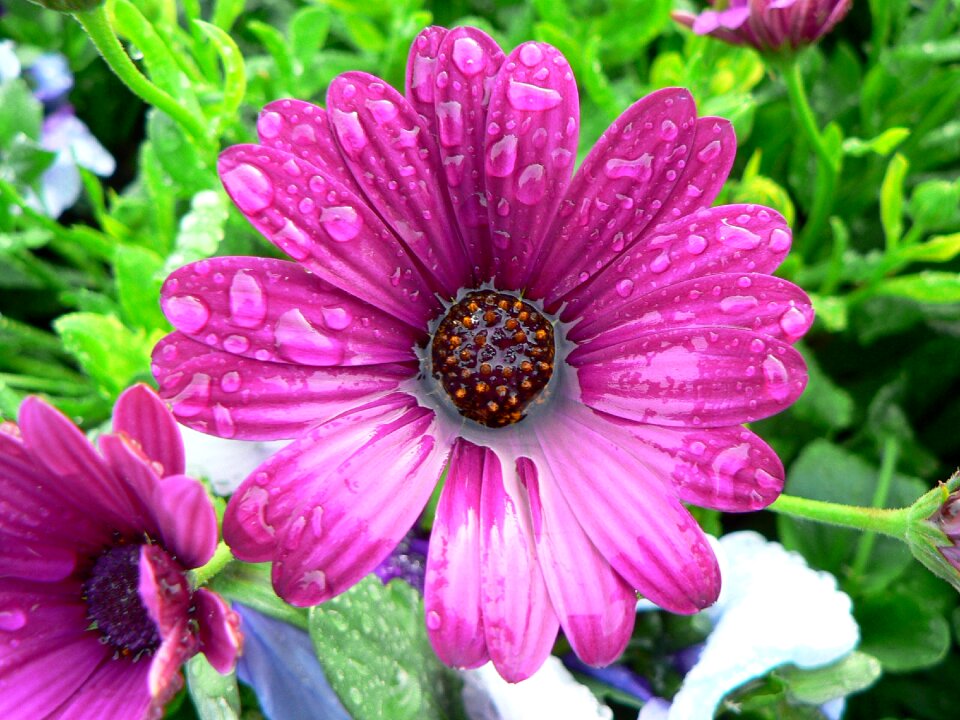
[
  {"x": 235, "y": 397},
  {"x": 303, "y": 129},
  {"x": 187, "y": 521},
  {"x": 729, "y": 469},
  {"x": 135, "y": 472},
  {"x": 619, "y": 189},
  {"x": 467, "y": 64},
  {"x": 753, "y": 301},
  {"x": 275, "y": 310},
  {"x": 595, "y": 605},
  {"x": 220, "y": 638},
  {"x": 699, "y": 376},
  {"x": 422, "y": 72},
  {"x": 531, "y": 144},
  {"x": 394, "y": 158},
  {"x": 519, "y": 622},
  {"x": 313, "y": 217},
  {"x": 724, "y": 239},
  {"x": 333, "y": 510},
  {"x": 632, "y": 517},
  {"x": 452, "y": 589},
  {"x": 141, "y": 415}
]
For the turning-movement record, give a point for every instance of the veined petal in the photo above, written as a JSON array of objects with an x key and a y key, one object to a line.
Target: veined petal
[
  {"x": 520, "y": 624},
  {"x": 619, "y": 189},
  {"x": 452, "y": 588},
  {"x": 700, "y": 376},
  {"x": 186, "y": 519},
  {"x": 724, "y": 239},
  {"x": 142, "y": 416},
  {"x": 392, "y": 155},
  {"x": 632, "y": 517},
  {"x": 275, "y": 310},
  {"x": 235, "y": 397},
  {"x": 116, "y": 689},
  {"x": 532, "y": 130},
  {"x": 317, "y": 220},
  {"x": 220, "y": 638},
  {"x": 595, "y": 605},
  {"x": 753, "y": 301},
  {"x": 422, "y": 72},
  {"x": 303, "y": 129}
]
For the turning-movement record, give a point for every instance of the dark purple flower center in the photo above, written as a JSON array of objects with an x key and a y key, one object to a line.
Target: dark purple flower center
[
  {"x": 493, "y": 353},
  {"x": 114, "y": 604}
]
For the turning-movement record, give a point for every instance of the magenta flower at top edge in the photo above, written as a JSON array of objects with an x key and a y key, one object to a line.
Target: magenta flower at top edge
[
  {"x": 768, "y": 24},
  {"x": 581, "y": 349},
  {"x": 96, "y": 612}
]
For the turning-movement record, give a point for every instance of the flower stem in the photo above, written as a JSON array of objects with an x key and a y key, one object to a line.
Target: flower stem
[
  {"x": 221, "y": 558},
  {"x": 891, "y": 448},
  {"x": 886, "y": 522},
  {"x": 97, "y": 25},
  {"x": 828, "y": 165}
]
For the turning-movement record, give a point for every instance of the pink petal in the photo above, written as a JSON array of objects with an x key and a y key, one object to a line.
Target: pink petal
[
  {"x": 139, "y": 478},
  {"x": 275, "y": 310},
  {"x": 595, "y": 605},
  {"x": 330, "y": 506},
  {"x": 519, "y": 621},
  {"x": 117, "y": 689},
  {"x": 422, "y": 72},
  {"x": 184, "y": 514},
  {"x": 303, "y": 129},
  {"x": 220, "y": 638},
  {"x": 467, "y": 64},
  {"x": 631, "y": 516},
  {"x": 307, "y": 213},
  {"x": 141, "y": 415},
  {"x": 619, "y": 189},
  {"x": 452, "y": 588},
  {"x": 729, "y": 469},
  {"x": 235, "y": 397},
  {"x": 700, "y": 376},
  {"x": 393, "y": 157},
  {"x": 82, "y": 477},
  {"x": 753, "y": 301},
  {"x": 531, "y": 146},
  {"x": 724, "y": 239},
  {"x": 34, "y": 560}
]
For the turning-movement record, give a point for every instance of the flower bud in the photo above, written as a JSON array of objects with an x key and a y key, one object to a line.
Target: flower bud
[{"x": 933, "y": 530}]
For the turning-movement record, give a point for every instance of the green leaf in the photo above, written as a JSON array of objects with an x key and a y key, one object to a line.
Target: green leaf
[
  {"x": 215, "y": 696},
  {"x": 831, "y": 311},
  {"x": 901, "y": 632},
  {"x": 940, "y": 249},
  {"x": 373, "y": 645},
  {"x": 883, "y": 144},
  {"x": 110, "y": 353},
  {"x": 249, "y": 583},
  {"x": 935, "y": 204},
  {"x": 856, "y": 672},
  {"x": 22, "y": 113},
  {"x": 234, "y": 72},
  {"x": 31, "y": 239},
  {"x": 138, "y": 274},
  {"x": 178, "y": 154},
  {"x": 201, "y": 230},
  {"x": 279, "y": 49},
  {"x": 309, "y": 27},
  {"x": 926, "y": 287},
  {"x": 891, "y": 200}
]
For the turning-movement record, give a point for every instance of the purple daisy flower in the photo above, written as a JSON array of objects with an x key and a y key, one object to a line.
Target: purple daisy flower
[
  {"x": 96, "y": 612},
  {"x": 768, "y": 24},
  {"x": 580, "y": 350}
]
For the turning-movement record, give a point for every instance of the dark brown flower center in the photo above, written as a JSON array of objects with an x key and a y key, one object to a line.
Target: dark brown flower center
[
  {"x": 493, "y": 353},
  {"x": 114, "y": 604}
]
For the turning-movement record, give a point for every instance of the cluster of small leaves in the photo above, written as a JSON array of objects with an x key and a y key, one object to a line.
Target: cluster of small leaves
[{"x": 876, "y": 426}]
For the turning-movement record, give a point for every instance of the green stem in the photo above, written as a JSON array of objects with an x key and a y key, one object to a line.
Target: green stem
[
  {"x": 97, "y": 25},
  {"x": 886, "y": 522},
  {"x": 828, "y": 166},
  {"x": 888, "y": 464},
  {"x": 221, "y": 558}
]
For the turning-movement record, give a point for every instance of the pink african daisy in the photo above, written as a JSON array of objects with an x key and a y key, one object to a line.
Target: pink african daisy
[
  {"x": 579, "y": 352},
  {"x": 768, "y": 24},
  {"x": 96, "y": 612}
]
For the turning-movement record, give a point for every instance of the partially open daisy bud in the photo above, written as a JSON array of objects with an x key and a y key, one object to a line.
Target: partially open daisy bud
[{"x": 933, "y": 530}]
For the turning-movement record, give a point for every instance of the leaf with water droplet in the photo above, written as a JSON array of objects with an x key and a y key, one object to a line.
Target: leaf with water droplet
[
  {"x": 373, "y": 643},
  {"x": 215, "y": 696}
]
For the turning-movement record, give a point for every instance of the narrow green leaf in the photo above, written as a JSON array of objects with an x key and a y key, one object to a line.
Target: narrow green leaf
[
  {"x": 278, "y": 48},
  {"x": 249, "y": 583},
  {"x": 226, "y": 12},
  {"x": 22, "y": 113},
  {"x": 180, "y": 157},
  {"x": 309, "y": 27},
  {"x": 883, "y": 144},
  {"x": 891, "y": 200},
  {"x": 856, "y": 672},
  {"x": 927, "y": 287},
  {"x": 137, "y": 271},
  {"x": 234, "y": 72}
]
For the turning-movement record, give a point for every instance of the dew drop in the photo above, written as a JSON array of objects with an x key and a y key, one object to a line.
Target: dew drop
[
  {"x": 736, "y": 304},
  {"x": 194, "y": 398},
  {"x": 306, "y": 206},
  {"x": 696, "y": 244},
  {"x": 336, "y": 318},
  {"x": 523, "y": 96},
  {"x": 12, "y": 620},
  {"x": 349, "y": 131},
  {"x": 531, "y": 185},
  {"x": 468, "y": 56},
  {"x": 383, "y": 111},
  {"x": 668, "y": 130},
  {"x": 766, "y": 481},
  {"x": 236, "y": 344},
  {"x": 293, "y": 241},
  {"x": 502, "y": 157},
  {"x": 230, "y": 382},
  {"x": 249, "y": 187},
  {"x": 757, "y": 345},
  {"x": 778, "y": 380},
  {"x": 660, "y": 263},
  {"x": 640, "y": 168},
  {"x": 303, "y": 134},
  {"x": 780, "y": 240},
  {"x": 300, "y": 341},
  {"x": 248, "y": 307},
  {"x": 794, "y": 323},
  {"x": 738, "y": 237},
  {"x": 697, "y": 448},
  {"x": 188, "y": 313},
  {"x": 624, "y": 287},
  {"x": 342, "y": 223},
  {"x": 434, "y": 621},
  {"x": 223, "y": 421},
  {"x": 269, "y": 125},
  {"x": 709, "y": 152},
  {"x": 422, "y": 80},
  {"x": 450, "y": 119}
]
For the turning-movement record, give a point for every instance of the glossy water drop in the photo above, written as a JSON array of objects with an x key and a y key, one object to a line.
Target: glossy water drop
[
  {"x": 450, "y": 119},
  {"x": 502, "y": 156},
  {"x": 249, "y": 187},
  {"x": 194, "y": 398},
  {"x": 660, "y": 263},
  {"x": 780, "y": 240},
  {"x": 624, "y": 287},
  {"x": 736, "y": 304},
  {"x": 300, "y": 341},
  {"x": 468, "y": 56},
  {"x": 530, "y": 54},
  {"x": 349, "y": 131},
  {"x": 523, "y": 96},
  {"x": 269, "y": 125},
  {"x": 794, "y": 323},
  {"x": 248, "y": 307},
  {"x": 342, "y": 223},
  {"x": 641, "y": 168},
  {"x": 223, "y": 421},
  {"x": 303, "y": 134},
  {"x": 236, "y": 344},
  {"x": 187, "y": 313},
  {"x": 336, "y": 318},
  {"x": 668, "y": 130},
  {"x": 766, "y": 481},
  {"x": 293, "y": 241},
  {"x": 421, "y": 81},
  {"x": 383, "y": 111},
  {"x": 696, "y": 244},
  {"x": 738, "y": 237},
  {"x": 230, "y": 382},
  {"x": 12, "y": 620},
  {"x": 777, "y": 377},
  {"x": 434, "y": 621},
  {"x": 697, "y": 448},
  {"x": 531, "y": 185},
  {"x": 709, "y": 152}
]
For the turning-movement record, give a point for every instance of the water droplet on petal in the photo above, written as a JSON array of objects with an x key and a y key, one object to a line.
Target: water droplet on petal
[
  {"x": 248, "y": 307},
  {"x": 249, "y": 187},
  {"x": 766, "y": 481},
  {"x": 383, "y": 111},
  {"x": 502, "y": 157},
  {"x": 709, "y": 151},
  {"x": 640, "y": 168},
  {"x": 757, "y": 345},
  {"x": 269, "y": 125},
  {"x": 230, "y": 382},
  {"x": 530, "y": 54},
  {"x": 668, "y": 130},
  {"x": 223, "y": 421},
  {"x": 780, "y": 240},
  {"x": 336, "y": 318},
  {"x": 624, "y": 287},
  {"x": 523, "y": 96},
  {"x": 778, "y": 380},
  {"x": 794, "y": 323},
  {"x": 236, "y": 344},
  {"x": 434, "y": 621},
  {"x": 735, "y": 304},
  {"x": 342, "y": 223},
  {"x": 450, "y": 118},
  {"x": 303, "y": 134},
  {"x": 188, "y": 313},
  {"x": 293, "y": 241},
  {"x": 300, "y": 341},
  {"x": 349, "y": 131},
  {"x": 468, "y": 56},
  {"x": 696, "y": 244},
  {"x": 737, "y": 237},
  {"x": 194, "y": 398},
  {"x": 660, "y": 263},
  {"x": 531, "y": 185},
  {"x": 697, "y": 448}
]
